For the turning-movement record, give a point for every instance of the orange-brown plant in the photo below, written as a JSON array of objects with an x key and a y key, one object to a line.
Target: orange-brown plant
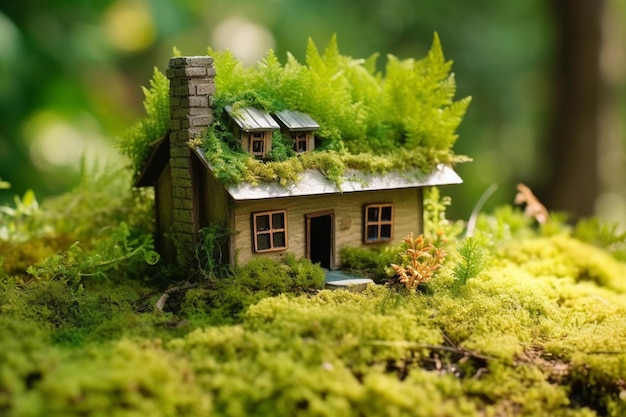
[{"x": 419, "y": 262}]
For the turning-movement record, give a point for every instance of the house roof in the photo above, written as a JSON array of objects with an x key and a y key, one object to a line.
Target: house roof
[
  {"x": 296, "y": 121},
  {"x": 153, "y": 167},
  {"x": 251, "y": 119},
  {"x": 313, "y": 182}
]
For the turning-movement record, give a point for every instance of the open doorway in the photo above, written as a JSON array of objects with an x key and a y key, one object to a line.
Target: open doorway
[{"x": 320, "y": 238}]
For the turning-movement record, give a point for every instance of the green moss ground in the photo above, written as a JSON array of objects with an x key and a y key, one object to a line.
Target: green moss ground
[{"x": 539, "y": 329}]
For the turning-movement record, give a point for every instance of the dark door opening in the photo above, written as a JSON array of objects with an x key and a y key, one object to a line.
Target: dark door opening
[{"x": 319, "y": 244}]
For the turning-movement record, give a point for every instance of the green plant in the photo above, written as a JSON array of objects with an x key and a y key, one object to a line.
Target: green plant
[
  {"x": 505, "y": 223},
  {"x": 437, "y": 228},
  {"x": 404, "y": 120},
  {"x": 108, "y": 254},
  {"x": 600, "y": 233},
  {"x": 274, "y": 277},
  {"x": 210, "y": 253},
  {"x": 419, "y": 261},
  {"x": 223, "y": 300},
  {"x": 20, "y": 223},
  {"x": 101, "y": 198},
  {"x": 472, "y": 259},
  {"x": 137, "y": 142},
  {"x": 371, "y": 262},
  {"x": 282, "y": 147},
  {"x": 305, "y": 275}
]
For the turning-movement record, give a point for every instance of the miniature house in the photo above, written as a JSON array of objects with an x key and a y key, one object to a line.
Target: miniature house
[{"x": 313, "y": 218}]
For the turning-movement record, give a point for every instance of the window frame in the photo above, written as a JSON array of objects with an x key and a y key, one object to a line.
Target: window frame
[
  {"x": 271, "y": 231},
  {"x": 298, "y": 138},
  {"x": 257, "y": 137},
  {"x": 379, "y": 222}
]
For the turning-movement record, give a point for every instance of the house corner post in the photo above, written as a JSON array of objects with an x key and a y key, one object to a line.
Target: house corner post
[{"x": 191, "y": 91}]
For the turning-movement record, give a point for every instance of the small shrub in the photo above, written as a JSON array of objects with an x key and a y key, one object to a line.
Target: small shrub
[
  {"x": 438, "y": 229},
  {"x": 291, "y": 275},
  {"x": 370, "y": 262},
  {"x": 223, "y": 300},
  {"x": 420, "y": 261},
  {"x": 305, "y": 275}
]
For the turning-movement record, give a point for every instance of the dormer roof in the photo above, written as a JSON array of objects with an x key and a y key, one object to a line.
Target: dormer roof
[
  {"x": 251, "y": 119},
  {"x": 296, "y": 121}
]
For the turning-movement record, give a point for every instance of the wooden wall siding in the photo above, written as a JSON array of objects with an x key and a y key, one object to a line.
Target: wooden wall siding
[
  {"x": 164, "y": 214},
  {"x": 348, "y": 210},
  {"x": 218, "y": 205}
]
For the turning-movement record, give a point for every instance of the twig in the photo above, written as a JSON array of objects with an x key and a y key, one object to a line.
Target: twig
[
  {"x": 534, "y": 208},
  {"x": 441, "y": 348},
  {"x": 163, "y": 298}
]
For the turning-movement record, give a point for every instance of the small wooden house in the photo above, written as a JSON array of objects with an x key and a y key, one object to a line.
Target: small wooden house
[{"x": 312, "y": 218}]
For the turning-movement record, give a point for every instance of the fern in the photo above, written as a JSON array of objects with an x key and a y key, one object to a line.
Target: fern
[
  {"x": 404, "y": 120},
  {"x": 472, "y": 259},
  {"x": 137, "y": 142}
]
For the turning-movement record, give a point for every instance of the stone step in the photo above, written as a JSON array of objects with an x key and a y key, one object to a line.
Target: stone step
[{"x": 350, "y": 284}]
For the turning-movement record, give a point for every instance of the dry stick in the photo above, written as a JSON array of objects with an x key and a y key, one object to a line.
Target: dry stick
[
  {"x": 442, "y": 348},
  {"x": 534, "y": 208},
  {"x": 163, "y": 298}
]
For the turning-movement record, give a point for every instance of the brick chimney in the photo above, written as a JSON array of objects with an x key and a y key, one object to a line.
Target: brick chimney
[{"x": 192, "y": 87}]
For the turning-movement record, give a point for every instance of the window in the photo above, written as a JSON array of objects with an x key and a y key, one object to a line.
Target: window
[
  {"x": 300, "y": 142},
  {"x": 257, "y": 144},
  {"x": 378, "y": 223},
  {"x": 270, "y": 230}
]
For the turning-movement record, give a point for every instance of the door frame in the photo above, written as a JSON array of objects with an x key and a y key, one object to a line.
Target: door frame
[{"x": 308, "y": 217}]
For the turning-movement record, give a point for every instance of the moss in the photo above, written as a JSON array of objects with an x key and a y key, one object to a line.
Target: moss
[
  {"x": 539, "y": 329},
  {"x": 126, "y": 378},
  {"x": 566, "y": 257}
]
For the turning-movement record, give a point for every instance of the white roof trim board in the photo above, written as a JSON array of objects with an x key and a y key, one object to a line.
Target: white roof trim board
[
  {"x": 313, "y": 182},
  {"x": 297, "y": 121},
  {"x": 251, "y": 119}
]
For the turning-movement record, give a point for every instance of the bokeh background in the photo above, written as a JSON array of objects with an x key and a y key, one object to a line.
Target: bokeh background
[{"x": 547, "y": 79}]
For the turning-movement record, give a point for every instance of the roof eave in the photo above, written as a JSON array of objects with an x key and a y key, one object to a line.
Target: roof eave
[
  {"x": 157, "y": 161},
  {"x": 313, "y": 182}
]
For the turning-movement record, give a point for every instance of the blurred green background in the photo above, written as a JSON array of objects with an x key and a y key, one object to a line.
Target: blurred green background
[{"x": 547, "y": 79}]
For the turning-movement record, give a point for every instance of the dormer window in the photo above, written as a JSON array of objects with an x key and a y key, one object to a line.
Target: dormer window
[
  {"x": 254, "y": 127},
  {"x": 300, "y": 127},
  {"x": 257, "y": 144},
  {"x": 300, "y": 141}
]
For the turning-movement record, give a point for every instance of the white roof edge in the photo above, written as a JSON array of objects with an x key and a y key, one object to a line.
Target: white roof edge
[{"x": 313, "y": 182}]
